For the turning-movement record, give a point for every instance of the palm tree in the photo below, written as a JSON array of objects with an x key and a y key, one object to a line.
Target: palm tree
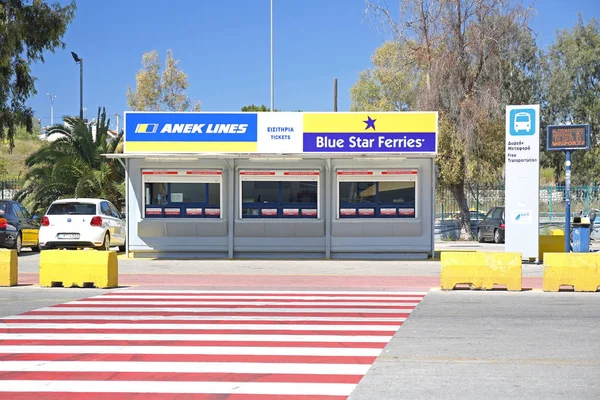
[{"x": 73, "y": 166}]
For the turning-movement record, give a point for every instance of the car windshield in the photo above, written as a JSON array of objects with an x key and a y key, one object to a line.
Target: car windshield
[
  {"x": 3, "y": 208},
  {"x": 72, "y": 209}
]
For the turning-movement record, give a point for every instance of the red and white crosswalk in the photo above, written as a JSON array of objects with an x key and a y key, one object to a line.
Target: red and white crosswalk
[{"x": 201, "y": 344}]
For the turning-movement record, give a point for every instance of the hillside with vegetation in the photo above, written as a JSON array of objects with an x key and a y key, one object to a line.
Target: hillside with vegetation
[{"x": 12, "y": 164}]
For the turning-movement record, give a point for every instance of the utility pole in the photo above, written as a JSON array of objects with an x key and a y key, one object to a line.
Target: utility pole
[
  {"x": 335, "y": 95},
  {"x": 272, "y": 74},
  {"x": 51, "y": 108}
]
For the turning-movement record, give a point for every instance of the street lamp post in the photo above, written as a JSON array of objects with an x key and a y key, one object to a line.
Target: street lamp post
[
  {"x": 80, "y": 62},
  {"x": 51, "y": 108}
]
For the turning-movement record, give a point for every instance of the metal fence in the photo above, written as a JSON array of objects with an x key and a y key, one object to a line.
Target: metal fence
[
  {"x": 9, "y": 188},
  {"x": 552, "y": 201},
  {"x": 480, "y": 199}
]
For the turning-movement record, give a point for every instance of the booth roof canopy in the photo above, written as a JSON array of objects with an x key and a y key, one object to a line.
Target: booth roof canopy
[{"x": 265, "y": 157}]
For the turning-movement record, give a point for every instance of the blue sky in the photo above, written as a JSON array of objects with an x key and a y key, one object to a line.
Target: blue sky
[{"x": 224, "y": 47}]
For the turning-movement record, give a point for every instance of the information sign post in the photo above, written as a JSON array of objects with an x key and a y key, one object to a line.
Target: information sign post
[{"x": 568, "y": 138}]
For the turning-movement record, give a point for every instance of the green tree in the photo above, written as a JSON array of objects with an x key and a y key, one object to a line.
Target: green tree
[
  {"x": 27, "y": 30},
  {"x": 572, "y": 76},
  {"x": 3, "y": 165},
  {"x": 255, "y": 108},
  {"x": 72, "y": 165},
  {"x": 456, "y": 57},
  {"x": 156, "y": 91}
]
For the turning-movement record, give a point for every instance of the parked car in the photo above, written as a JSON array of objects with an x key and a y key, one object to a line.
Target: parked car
[
  {"x": 492, "y": 226},
  {"x": 81, "y": 223},
  {"x": 18, "y": 228}
]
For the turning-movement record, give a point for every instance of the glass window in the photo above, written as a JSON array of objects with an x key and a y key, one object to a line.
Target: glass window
[
  {"x": 397, "y": 192},
  {"x": 72, "y": 208},
  {"x": 188, "y": 192},
  {"x": 3, "y": 207},
  {"x": 298, "y": 192},
  {"x": 214, "y": 194},
  {"x": 279, "y": 199},
  {"x": 113, "y": 210},
  {"x": 498, "y": 212},
  {"x": 358, "y": 192},
  {"x": 105, "y": 209},
  {"x": 377, "y": 199},
  {"x": 260, "y": 192},
  {"x": 156, "y": 193},
  {"x": 183, "y": 199},
  {"x": 18, "y": 212},
  {"x": 25, "y": 212}
]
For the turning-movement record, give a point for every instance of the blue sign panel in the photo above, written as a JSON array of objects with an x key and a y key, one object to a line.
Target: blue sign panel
[
  {"x": 421, "y": 142},
  {"x": 522, "y": 122},
  {"x": 190, "y": 127}
]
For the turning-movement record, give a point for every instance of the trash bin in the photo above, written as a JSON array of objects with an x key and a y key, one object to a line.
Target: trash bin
[{"x": 581, "y": 235}]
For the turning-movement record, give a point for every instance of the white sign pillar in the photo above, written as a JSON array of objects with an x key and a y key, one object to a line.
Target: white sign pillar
[{"x": 522, "y": 180}]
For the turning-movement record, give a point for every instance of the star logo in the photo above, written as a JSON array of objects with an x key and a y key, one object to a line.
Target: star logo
[{"x": 370, "y": 123}]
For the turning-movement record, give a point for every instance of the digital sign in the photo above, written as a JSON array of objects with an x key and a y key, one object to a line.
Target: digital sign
[{"x": 568, "y": 137}]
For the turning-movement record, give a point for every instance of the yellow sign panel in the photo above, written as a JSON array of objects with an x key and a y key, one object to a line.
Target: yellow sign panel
[{"x": 390, "y": 122}]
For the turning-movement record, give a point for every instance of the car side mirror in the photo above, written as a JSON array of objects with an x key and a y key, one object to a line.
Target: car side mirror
[{"x": 123, "y": 216}]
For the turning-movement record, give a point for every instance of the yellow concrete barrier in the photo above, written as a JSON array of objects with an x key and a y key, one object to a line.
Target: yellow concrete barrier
[
  {"x": 557, "y": 232},
  {"x": 79, "y": 268},
  {"x": 481, "y": 270},
  {"x": 554, "y": 243},
  {"x": 9, "y": 268},
  {"x": 580, "y": 270}
]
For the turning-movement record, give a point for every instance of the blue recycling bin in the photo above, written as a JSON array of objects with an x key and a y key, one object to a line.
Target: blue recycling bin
[{"x": 581, "y": 235}]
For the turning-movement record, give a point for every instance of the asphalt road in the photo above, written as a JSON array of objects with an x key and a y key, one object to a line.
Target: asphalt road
[
  {"x": 19, "y": 299},
  {"x": 493, "y": 345}
]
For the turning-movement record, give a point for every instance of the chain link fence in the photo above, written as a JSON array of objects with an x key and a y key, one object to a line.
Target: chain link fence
[
  {"x": 480, "y": 199},
  {"x": 9, "y": 187}
]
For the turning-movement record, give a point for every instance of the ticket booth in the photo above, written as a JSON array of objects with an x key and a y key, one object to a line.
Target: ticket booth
[{"x": 275, "y": 185}]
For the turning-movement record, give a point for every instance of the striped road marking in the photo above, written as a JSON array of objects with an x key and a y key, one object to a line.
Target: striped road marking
[{"x": 167, "y": 344}]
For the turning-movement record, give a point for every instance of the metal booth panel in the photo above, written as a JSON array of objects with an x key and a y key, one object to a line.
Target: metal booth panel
[
  {"x": 162, "y": 232},
  {"x": 276, "y": 226},
  {"x": 395, "y": 227}
]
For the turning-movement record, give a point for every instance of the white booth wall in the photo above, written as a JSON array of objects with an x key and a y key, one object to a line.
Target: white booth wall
[{"x": 237, "y": 233}]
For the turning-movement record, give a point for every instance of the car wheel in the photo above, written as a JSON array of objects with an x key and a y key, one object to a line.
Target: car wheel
[
  {"x": 122, "y": 248},
  {"x": 497, "y": 238},
  {"x": 106, "y": 243},
  {"x": 35, "y": 249},
  {"x": 18, "y": 243},
  {"x": 480, "y": 238}
]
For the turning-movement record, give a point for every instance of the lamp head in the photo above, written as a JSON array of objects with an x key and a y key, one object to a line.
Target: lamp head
[{"x": 75, "y": 57}]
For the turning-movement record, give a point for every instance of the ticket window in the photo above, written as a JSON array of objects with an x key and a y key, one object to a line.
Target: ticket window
[
  {"x": 182, "y": 193},
  {"x": 279, "y": 194},
  {"x": 377, "y": 194}
]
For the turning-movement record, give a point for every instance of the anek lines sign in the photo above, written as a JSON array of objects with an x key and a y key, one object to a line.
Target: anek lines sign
[{"x": 568, "y": 137}]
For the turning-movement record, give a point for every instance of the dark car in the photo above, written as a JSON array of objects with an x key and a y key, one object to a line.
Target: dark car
[
  {"x": 492, "y": 226},
  {"x": 18, "y": 228}
]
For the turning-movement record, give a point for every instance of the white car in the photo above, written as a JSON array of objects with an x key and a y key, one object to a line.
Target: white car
[{"x": 79, "y": 223}]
